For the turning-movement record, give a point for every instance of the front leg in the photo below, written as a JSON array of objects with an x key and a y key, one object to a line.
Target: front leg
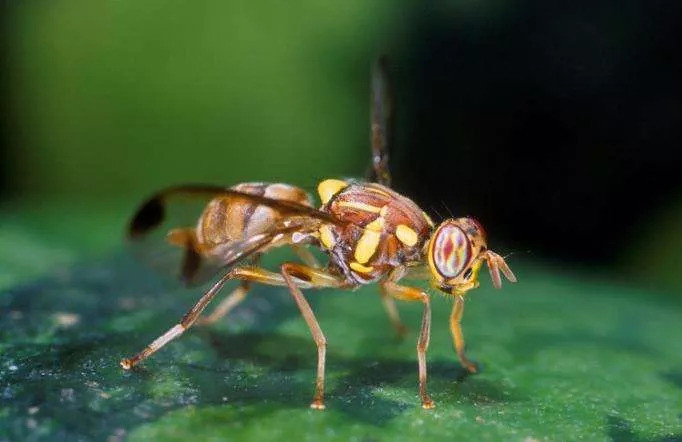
[
  {"x": 458, "y": 337},
  {"x": 414, "y": 294}
]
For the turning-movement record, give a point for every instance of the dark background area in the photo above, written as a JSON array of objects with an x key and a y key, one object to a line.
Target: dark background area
[{"x": 559, "y": 126}]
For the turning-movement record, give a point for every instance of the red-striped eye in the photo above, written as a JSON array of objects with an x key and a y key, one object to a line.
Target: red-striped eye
[{"x": 450, "y": 251}]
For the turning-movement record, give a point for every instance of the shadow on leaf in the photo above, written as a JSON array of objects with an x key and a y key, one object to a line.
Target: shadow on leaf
[
  {"x": 620, "y": 430},
  {"x": 286, "y": 374}
]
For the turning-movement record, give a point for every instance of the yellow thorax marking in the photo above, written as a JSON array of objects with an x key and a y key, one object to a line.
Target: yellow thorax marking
[
  {"x": 360, "y": 268},
  {"x": 376, "y": 226},
  {"x": 369, "y": 241},
  {"x": 360, "y": 206},
  {"x": 327, "y": 237},
  {"x": 406, "y": 235},
  {"x": 328, "y": 188}
]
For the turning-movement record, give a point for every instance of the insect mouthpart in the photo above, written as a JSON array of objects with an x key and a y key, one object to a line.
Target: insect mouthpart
[{"x": 497, "y": 264}]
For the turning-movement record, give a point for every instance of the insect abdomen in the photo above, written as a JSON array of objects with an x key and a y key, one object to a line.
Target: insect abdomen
[{"x": 231, "y": 218}]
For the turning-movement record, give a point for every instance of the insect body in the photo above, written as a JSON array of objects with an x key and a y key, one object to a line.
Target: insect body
[
  {"x": 370, "y": 233},
  {"x": 385, "y": 230},
  {"x": 230, "y": 218},
  {"x": 229, "y": 221}
]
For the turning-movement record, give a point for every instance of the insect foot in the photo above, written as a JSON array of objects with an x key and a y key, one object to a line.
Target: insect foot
[
  {"x": 317, "y": 404},
  {"x": 471, "y": 367},
  {"x": 428, "y": 404}
]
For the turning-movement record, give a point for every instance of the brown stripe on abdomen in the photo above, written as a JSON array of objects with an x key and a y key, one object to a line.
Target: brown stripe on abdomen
[{"x": 249, "y": 209}]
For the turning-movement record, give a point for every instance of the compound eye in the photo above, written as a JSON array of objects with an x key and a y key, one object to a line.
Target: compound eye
[{"x": 451, "y": 252}]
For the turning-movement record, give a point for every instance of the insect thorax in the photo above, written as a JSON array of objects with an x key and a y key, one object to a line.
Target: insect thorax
[{"x": 384, "y": 230}]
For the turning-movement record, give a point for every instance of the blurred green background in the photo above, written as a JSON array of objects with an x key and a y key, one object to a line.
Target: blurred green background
[
  {"x": 557, "y": 126},
  {"x": 120, "y": 98},
  {"x": 107, "y": 102}
]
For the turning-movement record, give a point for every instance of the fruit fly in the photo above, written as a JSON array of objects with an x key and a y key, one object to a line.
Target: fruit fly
[{"x": 370, "y": 234}]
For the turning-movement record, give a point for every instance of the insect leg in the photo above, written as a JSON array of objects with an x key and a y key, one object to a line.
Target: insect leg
[
  {"x": 244, "y": 273},
  {"x": 392, "y": 312},
  {"x": 414, "y": 294},
  {"x": 458, "y": 337},
  {"x": 230, "y": 302},
  {"x": 185, "y": 238},
  {"x": 239, "y": 294},
  {"x": 318, "y": 278},
  {"x": 179, "y": 328},
  {"x": 226, "y": 305}
]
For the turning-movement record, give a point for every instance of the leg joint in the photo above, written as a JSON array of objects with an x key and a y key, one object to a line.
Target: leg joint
[{"x": 296, "y": 271}]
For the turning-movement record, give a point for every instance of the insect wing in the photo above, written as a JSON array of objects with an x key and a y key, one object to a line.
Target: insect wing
[
  {"x": 160, "y": 231},
  {"x": 153, "y": 212},
  {"x": 156, "y": 234}
]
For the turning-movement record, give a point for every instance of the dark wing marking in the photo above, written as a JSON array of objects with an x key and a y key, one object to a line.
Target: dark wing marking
[{"x": 381, "y": 121}]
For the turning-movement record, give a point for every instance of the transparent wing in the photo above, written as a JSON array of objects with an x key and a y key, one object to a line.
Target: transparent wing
[
  {"x": 154, "y": 211},
  {"x": 160, "y": 232}
]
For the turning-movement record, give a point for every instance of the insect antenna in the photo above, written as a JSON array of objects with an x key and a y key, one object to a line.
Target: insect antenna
[
  {"x": 519, "y": 252},
  {"x": 434, "y": 210},
  {"x": 447, "y": 208}
]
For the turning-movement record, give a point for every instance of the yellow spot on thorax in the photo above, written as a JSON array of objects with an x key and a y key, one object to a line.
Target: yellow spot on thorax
[
  {"x": 328, "y": 188},
  {"x": 360, "y": 268},
  {"x": 376, "y": 226},
  {"x": 406, "y": 235},
  {"x": 327, "y": 237},
  {"x": 369, "y": 241}
]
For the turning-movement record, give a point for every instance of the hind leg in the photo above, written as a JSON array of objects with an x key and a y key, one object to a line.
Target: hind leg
[
  {"x": 295, "y": 276},
  {"x": 392, "y": 312},
  {"x": 243, "y": 273},
  {"x": 226, "y": 305}
]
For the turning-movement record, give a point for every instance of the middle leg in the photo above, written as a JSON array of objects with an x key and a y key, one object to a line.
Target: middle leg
[
  {"x": 226, "y": 305},
  {"x": 414, "y": 294},
  {"x": 392, "y": 312}
]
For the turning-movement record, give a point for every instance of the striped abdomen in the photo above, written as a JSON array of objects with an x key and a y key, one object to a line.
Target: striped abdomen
[{"x": 229, "y": 218}]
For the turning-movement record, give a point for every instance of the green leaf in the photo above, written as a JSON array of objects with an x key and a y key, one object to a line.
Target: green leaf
[{"x": 564, "y": 356}]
